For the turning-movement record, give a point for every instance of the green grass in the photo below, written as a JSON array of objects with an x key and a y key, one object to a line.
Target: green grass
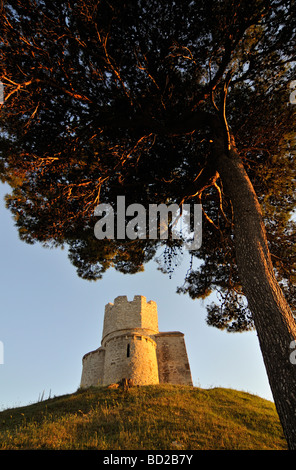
[{"x": 159, "y": 417}]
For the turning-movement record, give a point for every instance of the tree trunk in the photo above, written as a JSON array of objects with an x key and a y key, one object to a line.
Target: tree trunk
[{"x": 273, "y": 319}]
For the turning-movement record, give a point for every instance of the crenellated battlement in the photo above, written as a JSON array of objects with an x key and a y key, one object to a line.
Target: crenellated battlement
[{"x": 124, "y": 314}]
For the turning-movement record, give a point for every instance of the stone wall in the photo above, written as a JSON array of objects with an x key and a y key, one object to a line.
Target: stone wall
[
  {"x": 173, "y": 364},
  {"x": 143, "y": 360},
  {"x": 93, "y": 368}
]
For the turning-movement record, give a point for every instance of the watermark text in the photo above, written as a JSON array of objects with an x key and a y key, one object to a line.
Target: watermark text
[
  {"x": 293, "y": 353},
  {"x": 1, "y": 353},
  {"x": 160, "y": 222},
  {"x": 293, "y": 94}
]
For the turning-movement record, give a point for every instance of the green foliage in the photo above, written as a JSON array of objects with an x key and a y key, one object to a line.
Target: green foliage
[
  {"x": 104, "y": 98},
  {"x": 162, "y": 417}
]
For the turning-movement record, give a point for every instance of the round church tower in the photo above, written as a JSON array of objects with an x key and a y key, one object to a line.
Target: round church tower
[{"x": 128, "y": 341}]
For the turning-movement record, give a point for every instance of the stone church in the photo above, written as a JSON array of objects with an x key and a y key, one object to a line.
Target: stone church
[{"x": 133, "y": 348}]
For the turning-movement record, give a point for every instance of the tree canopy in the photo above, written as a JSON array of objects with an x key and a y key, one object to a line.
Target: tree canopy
[{"x": 112, "y": 98}]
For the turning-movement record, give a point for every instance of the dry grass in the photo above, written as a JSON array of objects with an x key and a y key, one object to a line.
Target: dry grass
[{"x": 160, "y": 417}]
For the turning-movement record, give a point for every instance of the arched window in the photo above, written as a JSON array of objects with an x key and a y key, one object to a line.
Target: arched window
[{"x": 128, "y": 350}]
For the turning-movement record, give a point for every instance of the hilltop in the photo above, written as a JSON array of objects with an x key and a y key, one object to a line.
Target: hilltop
[{"x": 158, "y": 417}]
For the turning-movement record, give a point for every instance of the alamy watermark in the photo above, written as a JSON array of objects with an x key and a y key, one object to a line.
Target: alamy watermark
[
  {"x": 1, "y": 93},
  {"x": 1, "y": 353},
  {"x": 293, "y": 94},
  {"x": 160, "y": 222}
]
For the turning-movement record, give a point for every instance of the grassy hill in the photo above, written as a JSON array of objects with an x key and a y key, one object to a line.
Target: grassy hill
[{"x": 159, "y": 417}]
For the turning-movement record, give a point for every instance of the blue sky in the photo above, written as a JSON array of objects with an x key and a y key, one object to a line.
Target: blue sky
[{"x": 50, "y": 318}]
